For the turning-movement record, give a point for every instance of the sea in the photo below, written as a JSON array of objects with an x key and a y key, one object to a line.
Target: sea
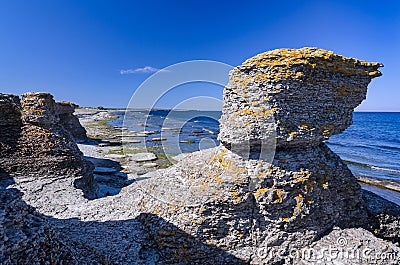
[{"x": 370, "y": 146}]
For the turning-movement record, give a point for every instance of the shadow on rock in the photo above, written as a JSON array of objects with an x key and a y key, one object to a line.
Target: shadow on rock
[{"x": 29, "y": 237}]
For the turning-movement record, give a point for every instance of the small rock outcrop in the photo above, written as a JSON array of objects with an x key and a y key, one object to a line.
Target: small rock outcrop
[
  {"x": 36, "y": 150},
  {"x": 64, "y": 111},
  {"x": 34, "y": 142}
]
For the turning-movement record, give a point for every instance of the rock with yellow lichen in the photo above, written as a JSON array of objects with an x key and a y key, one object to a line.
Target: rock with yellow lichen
[
  {"x": 273, "y": 185},
  {"x": 298, "y": 97},
  {"x": 34, "y": 142}
]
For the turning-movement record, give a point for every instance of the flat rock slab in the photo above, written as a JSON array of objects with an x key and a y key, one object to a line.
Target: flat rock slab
[
  {"x": 150, "y": 165},
  {"x": 104, "y": 170},
  {"x": 127, "y": 141},
  {"x": 143, "y": 157},
  {"x": 134, "y": 169},
  {"x": 114, "y": 156},
  {"x": 156, "y": 139}
]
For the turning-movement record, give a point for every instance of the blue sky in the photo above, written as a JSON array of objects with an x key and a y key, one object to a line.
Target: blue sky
[{"x": 77, "y": 49}]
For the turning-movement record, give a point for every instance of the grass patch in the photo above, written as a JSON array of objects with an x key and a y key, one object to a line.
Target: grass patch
[{"x": 127, "y": 151}]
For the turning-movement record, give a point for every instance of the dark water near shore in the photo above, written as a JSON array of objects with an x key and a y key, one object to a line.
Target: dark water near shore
[{"x": 370, "y": 147}]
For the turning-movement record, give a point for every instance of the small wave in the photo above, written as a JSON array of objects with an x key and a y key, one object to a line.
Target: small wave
[
  {"x": 370, "y": 166},
  {"x": 385, "y": 169},
  {"x": 208, "y": 130}
]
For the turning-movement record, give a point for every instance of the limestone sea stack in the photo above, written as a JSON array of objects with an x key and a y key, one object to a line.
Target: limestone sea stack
[
  {"x": 272, "y": 183},
  {"x": 302, "y": 95},
  {"x": 34, "y": 142},
  {"x": 36, "y": 151}
]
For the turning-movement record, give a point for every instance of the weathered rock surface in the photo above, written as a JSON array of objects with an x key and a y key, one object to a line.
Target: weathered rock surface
[
  {"x": 348, "y": 247},
  {"x": 143, "y": 157},
  {"x": 65, "y": 110},
  {"x": 27, "y": 237},
  {"x": 35, "y": 144},
  {"x": 302, "y": 96}
]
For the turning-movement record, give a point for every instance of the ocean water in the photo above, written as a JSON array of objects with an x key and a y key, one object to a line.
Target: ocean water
[{"x": 370, "y": 147}]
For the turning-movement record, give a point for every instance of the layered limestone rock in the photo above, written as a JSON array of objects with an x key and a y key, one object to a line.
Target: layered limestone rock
[
  {"x": 34, "y": 143},
  {"x": 243, "y": 195},
  {"x": 10, "y": 128},
  {"x": 303, "y": 96},
  {"x": 64, "y": 111}
]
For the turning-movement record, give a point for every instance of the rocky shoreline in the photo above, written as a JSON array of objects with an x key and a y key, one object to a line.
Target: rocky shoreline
[
  {"x": 106, "y": 142},
  {"x": 239, "y": 203},
  {"x": 117, "y": 163}
]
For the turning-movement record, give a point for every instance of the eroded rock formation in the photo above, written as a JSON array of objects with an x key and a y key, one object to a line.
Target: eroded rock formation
[
  {"x": 34, "y": 142},
  {"x": 302, "y": 95},
  {"x": 65, "y": 110},
  {"x": 273, "y": 182},
  {"x": 35, "y": 149}
]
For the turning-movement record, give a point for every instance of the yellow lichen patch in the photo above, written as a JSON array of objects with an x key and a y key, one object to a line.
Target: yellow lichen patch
[
  {"x": 326, "y": 130},
  {"x": 302, "y": 176},
  {"x": 257, "y": 113},
  {"x": 304, "y": 126},
  {"x": 238, "y": 81},
  {"x": 235, "y": 195},
  {"x": 262, "y": 175},
  {"x": 325, "y": 185},
  {"x": 285, "y": 220},
  {"x": 312, "y": 58},
  {"x": 278, "y": 198},
  {"x": 215, "y": 158},
  {"x": 299, "y": 199},
  {"x": 258, "y": 192}
]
